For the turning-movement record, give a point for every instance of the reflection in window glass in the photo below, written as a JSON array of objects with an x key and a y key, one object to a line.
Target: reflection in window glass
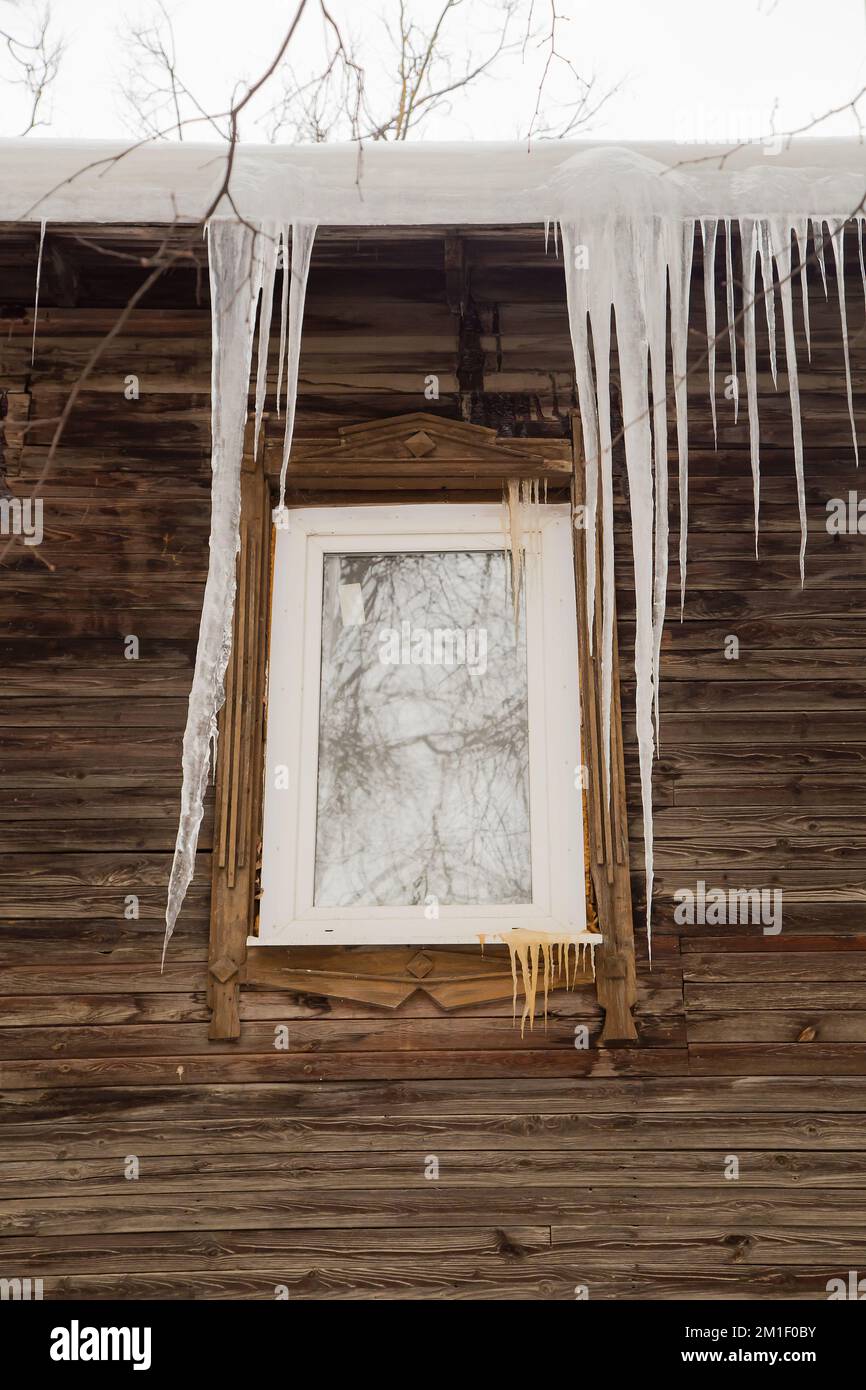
[{"x": 423, "y": 789}]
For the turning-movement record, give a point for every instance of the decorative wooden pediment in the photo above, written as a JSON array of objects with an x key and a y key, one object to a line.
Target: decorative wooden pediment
[
  {"x": 419, "y": 451},
  {"x": 389, "y": 975}
]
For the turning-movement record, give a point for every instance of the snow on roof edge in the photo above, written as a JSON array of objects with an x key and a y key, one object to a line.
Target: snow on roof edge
[{"x": 405, "y": 184}]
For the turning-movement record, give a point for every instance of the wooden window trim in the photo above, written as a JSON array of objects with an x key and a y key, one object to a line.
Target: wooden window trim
[{"x": 415, "y": 457}]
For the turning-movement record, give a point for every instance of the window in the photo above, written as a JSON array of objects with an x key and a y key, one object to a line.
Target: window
[{"x": 422, "y": 735}]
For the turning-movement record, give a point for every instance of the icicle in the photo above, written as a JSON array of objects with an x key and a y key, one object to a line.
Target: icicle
[
  {"x": 234, "y": 252},
  {"x": 528, "y": 949},
  {"x": 860, "y": 253},
  {"x": 780, "y": 232},
  {"x": 600, "y": 318},
  {"x": 576, "y": 290},
  {"x": 657, "y": 304},
  {"x": 818, "y": 241},
  {"x": 680, "y": 270},
  {"x": 837, "y": 241},
  {"x": 749, "y": 246},
  {"x": 769, "y": 295},
  {"x": 709, "y": 229},
  {"x": 632, "y": 250},
  {"x": 269, "y": 256},
  {"x": 546, "y": 233},
  {"x": 732, "y": 331},
  {"x": 556, "y": 238},
  {"x": 284, "y": 309},
  {"x": 802, "y": 230},
  {"x": 521, "y": 502},
  {"x": 303, "y": 234},
  {"x": 514, "y": 543},
  {"x": 36, "y": 297}
]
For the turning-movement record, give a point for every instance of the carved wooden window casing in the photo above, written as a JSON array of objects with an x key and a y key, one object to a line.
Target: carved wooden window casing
[{"x": 398, "y": 464}]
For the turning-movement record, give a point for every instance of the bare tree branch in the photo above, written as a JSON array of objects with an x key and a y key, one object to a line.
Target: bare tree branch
[{"x": 36, "y": 58}]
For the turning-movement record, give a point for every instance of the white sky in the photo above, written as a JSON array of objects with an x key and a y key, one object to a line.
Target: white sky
[{"x": 689, "y": 69}]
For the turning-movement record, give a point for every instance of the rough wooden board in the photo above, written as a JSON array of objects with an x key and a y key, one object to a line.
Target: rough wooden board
[{"x": 140, "y": 472}]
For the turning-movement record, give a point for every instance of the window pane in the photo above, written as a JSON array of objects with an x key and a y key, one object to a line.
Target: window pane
[{"x": 423, "y": 733}]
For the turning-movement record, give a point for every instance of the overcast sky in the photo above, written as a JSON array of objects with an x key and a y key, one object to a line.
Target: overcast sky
[{"x": 687, "y": 69}]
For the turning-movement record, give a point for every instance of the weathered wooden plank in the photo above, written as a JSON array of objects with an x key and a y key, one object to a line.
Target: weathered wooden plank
[
  {"x": 812, "y": 1133},
  {"x": 721, "y": 967},
  {"x": 544, "y": 1278},
  {"x": 428, "y": 1204},
  {"x": 182, "y": 1251},
  {"x": 288, "y": 1066},
  {"x": 532, "y": 1170},
  {"x": 319, "y": 1036},
  {"x": 638, "y": 1095}
]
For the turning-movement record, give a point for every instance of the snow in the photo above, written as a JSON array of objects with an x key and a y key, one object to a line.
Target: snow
[
  {"x": 411, "y": 184},
  {"x": 628, "y": 215}
]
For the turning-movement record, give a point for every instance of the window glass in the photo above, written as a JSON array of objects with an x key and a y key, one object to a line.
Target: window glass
[{"x": 423, "y": 783}]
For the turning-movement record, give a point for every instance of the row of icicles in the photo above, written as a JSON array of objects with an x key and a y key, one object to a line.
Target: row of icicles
[{"x": 638, "y": 269}]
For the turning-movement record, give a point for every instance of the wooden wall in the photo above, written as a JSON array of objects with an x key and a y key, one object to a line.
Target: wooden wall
[{"x": 557, "y": 1166}]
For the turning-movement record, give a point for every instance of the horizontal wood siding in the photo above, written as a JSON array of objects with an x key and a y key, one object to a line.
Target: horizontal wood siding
[{"x": 557, "y": 1166}]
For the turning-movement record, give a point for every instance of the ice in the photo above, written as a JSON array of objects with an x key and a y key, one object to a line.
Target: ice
[
  {"x": 818, "y": 240},
  {"x": 749, "y": 245},
  {"x": 303, "y": 235},
  {"x": 270, "y": 252},
  {"x": 576, "y": 276},
  {"x": 769, "y": 295},
  {"x": 284, "y": 308},
  {"x": 780, "y": 238},
  {"x": 36, "y": 295},
  {"x": 709, "y": 228},
  {"x": 801, "y": 228},
  {"x": 657, "y": 305},
  {"x": 837, "y": 240},
  {"x": 732, "y": 330},
  {"x": 680, "y": 274},
  {"x": 236, "y": 266}
]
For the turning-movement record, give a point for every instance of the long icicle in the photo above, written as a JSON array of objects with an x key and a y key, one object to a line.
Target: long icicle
[
  {"x": 42, "y": 226},
  {"x": 576, "y": 290},
  {"x": 749, "y": 247},
  {"x": 656, "y": 315},
  {"x": 234, "y": 254},
  {"x": 802, "y": 231},
  {"x": 780, "y": 233},
  {"x": 634, "y": 245},
  {"x": 285, "y": 235},
  {"x": 303, "y": 235},
  {"x": 601, "y": 308},
  {"x": 732, "y": 331},
  {"x": 769, "y": 294},
  {"x": 709, "y": 229},
  {"x": 837, "y": 241},
  {"x": 680, "y": 270},
  {"x": 270, "y": 255}
]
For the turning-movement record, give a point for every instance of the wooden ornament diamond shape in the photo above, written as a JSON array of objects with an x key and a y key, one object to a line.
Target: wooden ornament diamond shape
[
  {"x": 420, "y": 965},
  {"x": 420, "y": 444}
]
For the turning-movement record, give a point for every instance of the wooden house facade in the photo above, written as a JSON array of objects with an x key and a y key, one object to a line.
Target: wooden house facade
[{"x": 379, "y": 1128}]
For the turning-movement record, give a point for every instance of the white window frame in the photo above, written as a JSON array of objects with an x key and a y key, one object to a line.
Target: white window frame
[{"x": 288, "y": 915}]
